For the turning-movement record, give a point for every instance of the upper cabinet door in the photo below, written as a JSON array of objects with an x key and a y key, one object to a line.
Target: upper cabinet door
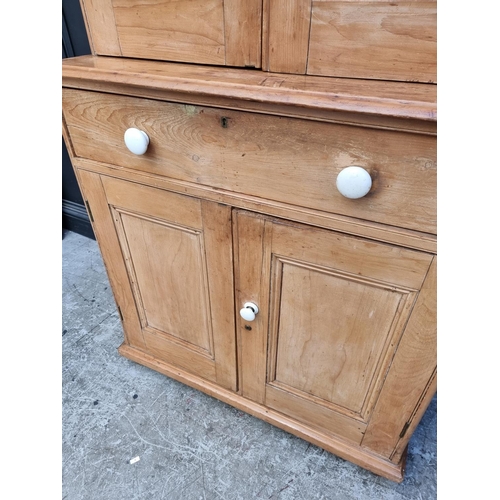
[
  {"x": 374, "y": 39},
  {"x": 221, "y": 32},
  {"x": 340, "y": 320}
]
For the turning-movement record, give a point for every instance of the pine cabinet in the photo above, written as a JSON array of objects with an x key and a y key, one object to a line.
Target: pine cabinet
[
  {"x": 267, "y": 212},
  {"x": 238, "y": 265}
]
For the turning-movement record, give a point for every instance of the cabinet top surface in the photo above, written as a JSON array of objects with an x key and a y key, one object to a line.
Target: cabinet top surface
[{"x": 392, "y": 99}]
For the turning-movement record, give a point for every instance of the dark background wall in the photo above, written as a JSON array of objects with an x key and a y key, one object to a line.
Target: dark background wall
[{"x": 74, "y": 43}]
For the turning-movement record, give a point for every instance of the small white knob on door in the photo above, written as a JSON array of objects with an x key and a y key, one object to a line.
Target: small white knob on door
[
  {"x": 354, "y": 182},
  {"x": 249, "y": 311},
  {"x": 136, "y": 141}
]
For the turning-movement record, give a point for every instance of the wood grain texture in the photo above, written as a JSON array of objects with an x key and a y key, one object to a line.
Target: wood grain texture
[
  {"x": 374, "y": 231},
  {"x": 173, "y": 30},
  {"x": 418, "y": 412},
  {"x": 168, "y": 262},
  {"x": 314, "y": 415},
  {"x": 318, "y": 95},
  {"x": 355, "y": 257},
  {"x": 332, "y": 333},
  {"x": 242, "y": 32},
  {"x": 101, "y": 27},
  {"x": 374, "y": 40},
  {"x": 407, "y": 380},
  {"x": 288, "y": 35},
  {"x": 281, "y": 159},
  {"x": 180, "y": 307},
  {"x": 266, "y": 5},
  {"x": 217, "y": 233},
  {"x": 336, "y": 315},
  {"x": 176, "y": 209},
  {"x": 251, "y": 233}
]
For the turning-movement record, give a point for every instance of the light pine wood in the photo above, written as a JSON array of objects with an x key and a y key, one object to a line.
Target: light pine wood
[
  {"x": 332, "y": 331},
  {"x": 316, "y": 416},
  {"x": 337, "y": 313},
  {"x": 235, "y": 201},
  {"x": 177, "y": 209},
  {"x": 251, "y": 270},
  {"x": 418, "y": 412},
  {"x": 411, "y": 372},
  {"x": 288, "y": 24},
  {"x": 354, "y": 39},
  {"x": 173, "y": 30},
  {"x": 101, "y": 28},
  {"x": 168, "y": 263},
  {"x": 219, "y": 32},
  {"x": 281, "y": 159},
  {"x": 157, "y": 246},
  {"x": 368, "y": 102},
  {"x": 385, "y": 263},
  {"x": 217, "y": 226},
  {"x": 242, "y": 32},
  {"x": 398, "y": 236},
  {"x": 374, "y": 39}
]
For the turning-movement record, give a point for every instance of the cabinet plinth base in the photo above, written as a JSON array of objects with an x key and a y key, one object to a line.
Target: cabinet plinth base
[{"x": 337, "y": 446}]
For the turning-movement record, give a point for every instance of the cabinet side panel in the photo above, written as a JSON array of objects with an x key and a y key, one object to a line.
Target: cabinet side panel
[
  {"x": 242, "y": 32},
  {"x": 101, "y": 27},
  {"x": 109, "y": 246},
  {"x": 410, "y": 372}
]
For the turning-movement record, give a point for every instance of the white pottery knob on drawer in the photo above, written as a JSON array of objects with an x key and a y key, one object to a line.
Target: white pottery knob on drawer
[
  {"x": 354, "y": 182},
  {"x": 249, "y": 311},
  {"x": 136, "y": 141}
]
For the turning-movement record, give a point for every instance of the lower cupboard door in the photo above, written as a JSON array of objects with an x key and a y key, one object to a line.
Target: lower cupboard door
[
  {"x": 333, "y": 311},
  {"x": 169, "y": 259}
]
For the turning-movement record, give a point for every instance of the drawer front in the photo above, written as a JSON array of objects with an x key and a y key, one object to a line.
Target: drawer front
[{"x": 281, "y": 159}]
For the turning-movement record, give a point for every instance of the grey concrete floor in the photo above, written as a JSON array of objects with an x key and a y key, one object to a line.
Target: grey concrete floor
[{"x": 190, "y": 446}]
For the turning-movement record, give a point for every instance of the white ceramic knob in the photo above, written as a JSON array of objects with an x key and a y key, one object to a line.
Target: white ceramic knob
[
  {"x": 354, "y": 182},
  {"x": 136, "y": 141},
  {"x": 249, "y": 311}
]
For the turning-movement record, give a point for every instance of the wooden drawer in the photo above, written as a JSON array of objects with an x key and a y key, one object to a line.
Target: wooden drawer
[{"x": 282, "y": 159}]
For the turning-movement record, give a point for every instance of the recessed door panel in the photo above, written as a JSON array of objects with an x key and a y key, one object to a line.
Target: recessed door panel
[
  {"x": 331, "y": 333},
  {"x": 167, "y": 264}
]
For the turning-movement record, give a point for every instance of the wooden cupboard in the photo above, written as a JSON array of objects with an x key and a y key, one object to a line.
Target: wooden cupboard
[
  {"x": 243, "y": 261},
  {"x": 351, "y": 38},
  {"x": 376, "y": 39}
]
